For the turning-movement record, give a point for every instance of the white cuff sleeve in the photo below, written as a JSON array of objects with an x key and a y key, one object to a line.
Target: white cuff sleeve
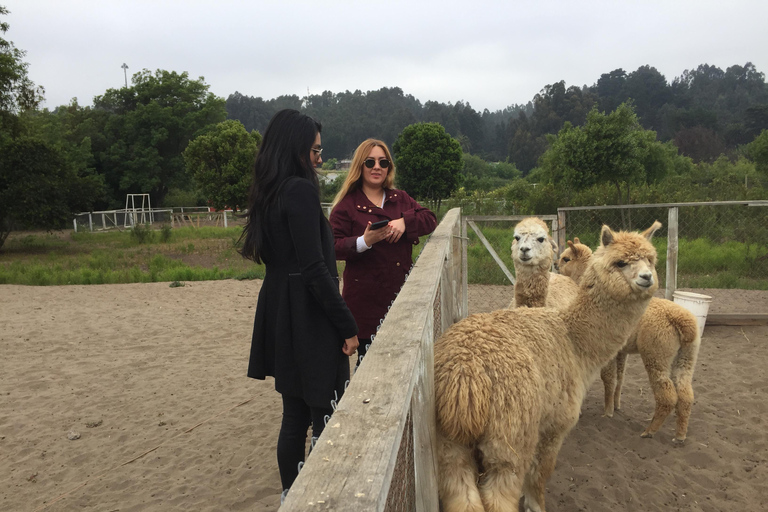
[{"x": 361, "y": 245}]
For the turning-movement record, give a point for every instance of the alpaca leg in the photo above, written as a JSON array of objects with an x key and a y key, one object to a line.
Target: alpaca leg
[
  {"x": 683, "y": 410},
  {"x": 621, "y": 360},
  {"x": 608, "y": 376},
  {"x": 457, "y": 478},
  {"x": 663, "y": 392},
  {"x": 684, "y": 403},
  {"x": 505, "y": 463},
  {"x": 535, "y": 486}
]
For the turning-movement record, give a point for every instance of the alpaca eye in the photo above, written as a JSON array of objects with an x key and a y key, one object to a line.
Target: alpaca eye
[
  {"x": 517, "y": 238},
  {"x": 621, "y": 264},
  {"x": 566, "y": 260},
  {"x": 541, "y": 239}
]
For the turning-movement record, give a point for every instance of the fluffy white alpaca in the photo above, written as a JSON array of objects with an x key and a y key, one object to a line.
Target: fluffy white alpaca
[
  {"x": 667, "y": 339},
  {"x": 509, "y": 384},
  {"x": 533, "y": 251}
]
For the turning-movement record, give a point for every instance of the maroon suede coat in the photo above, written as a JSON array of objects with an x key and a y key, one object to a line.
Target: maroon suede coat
[{"x": 373, "y": 278}]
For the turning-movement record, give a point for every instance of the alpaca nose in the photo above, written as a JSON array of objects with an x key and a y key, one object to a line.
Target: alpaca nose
[{"x": 647, "y": 277}]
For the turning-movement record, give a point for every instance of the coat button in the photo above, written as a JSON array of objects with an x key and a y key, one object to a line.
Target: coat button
[{"x": 398, "y": 263}]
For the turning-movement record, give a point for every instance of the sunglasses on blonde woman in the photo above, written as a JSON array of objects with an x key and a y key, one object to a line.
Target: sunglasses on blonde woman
[{"x": 371, "y": 163}]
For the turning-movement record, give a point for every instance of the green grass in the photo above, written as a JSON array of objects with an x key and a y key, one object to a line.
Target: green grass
[
  {"x": 188, "y": 254},
  {"x": 701, "y": 264},
  {"x": 209, "y": 253}
]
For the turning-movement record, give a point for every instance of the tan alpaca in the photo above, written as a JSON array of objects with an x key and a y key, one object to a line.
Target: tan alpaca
[
  {"x": 532, "y": 254},
  {"x": 667, "y": 339},
  {"x": 509, "y": 384}
]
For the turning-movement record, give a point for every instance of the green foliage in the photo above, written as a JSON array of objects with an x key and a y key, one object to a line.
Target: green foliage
[
  {"x": 17, "y": 91},
  {"x": 330, "y": 164},
  {"x": 114, "y": 257},
  {"x": 177, "y": 197},
  {"x": 166, "y": 232},
  {"x": 148, "y": 128},
  {"x": 221, "y": 162},
  {"x": 142, "y": 234},
  {"x": 328, "y": 190},
  {"x": 758, "y": 152},
  {"x": 428, "y": 161},
  {"x": 611, "y": 148},
  {"x": 40, "y": 187}
]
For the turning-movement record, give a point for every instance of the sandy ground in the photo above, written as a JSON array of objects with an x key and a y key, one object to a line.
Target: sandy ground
[{"x": 152, "y": 379}]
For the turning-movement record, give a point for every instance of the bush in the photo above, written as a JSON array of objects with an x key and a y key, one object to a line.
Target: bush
[
  {"x": 165, "y": 233},
  {"x": 142, "y": 234}
]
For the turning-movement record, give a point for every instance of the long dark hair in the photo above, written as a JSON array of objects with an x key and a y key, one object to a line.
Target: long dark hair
[{"x": 284, "y": 153}]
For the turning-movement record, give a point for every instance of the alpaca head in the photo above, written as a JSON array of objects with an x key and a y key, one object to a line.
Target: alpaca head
[
  {"x": 624, "y": 266},
  {"x": 573, "y": 261},
  {"x": 532, "y": 246}
]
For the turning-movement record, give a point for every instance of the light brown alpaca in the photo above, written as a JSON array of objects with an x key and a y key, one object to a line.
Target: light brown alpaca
[
  {"x": 533, "y": 251},
  {"x": 509, "y": 384},
  {"x": 667, "y": 339}
]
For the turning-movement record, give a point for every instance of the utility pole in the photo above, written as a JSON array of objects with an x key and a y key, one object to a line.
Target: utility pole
[{"x": 125, "y": 72}]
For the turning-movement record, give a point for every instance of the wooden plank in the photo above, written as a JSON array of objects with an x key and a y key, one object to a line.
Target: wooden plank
[
  {"x": 559, "y": 234},
  {"x": 351, "y": 466},
  {"x": 722, "y": 319},
  {"x": 672, "y": 251},
  {"x": 464, "y": 268},
  {"x": 495, "y": 256}
]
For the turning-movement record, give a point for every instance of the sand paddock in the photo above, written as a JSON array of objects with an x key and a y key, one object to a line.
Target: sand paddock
[{"x": 152, "y": 378}]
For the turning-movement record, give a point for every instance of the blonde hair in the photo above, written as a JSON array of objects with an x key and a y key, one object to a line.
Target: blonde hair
[{"x": 355, "y": 175}]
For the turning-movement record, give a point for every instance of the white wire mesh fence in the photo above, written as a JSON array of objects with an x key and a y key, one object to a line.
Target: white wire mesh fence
[
  {"x": 710, "y": 245},
  {"x": 129, "y": 218}
]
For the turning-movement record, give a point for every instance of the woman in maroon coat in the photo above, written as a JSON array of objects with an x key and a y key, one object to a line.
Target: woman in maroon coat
[{"x": 377, "y": 260}]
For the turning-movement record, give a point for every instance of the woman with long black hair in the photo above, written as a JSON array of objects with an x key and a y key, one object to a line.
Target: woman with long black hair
[{"x": 303, "y": 332}]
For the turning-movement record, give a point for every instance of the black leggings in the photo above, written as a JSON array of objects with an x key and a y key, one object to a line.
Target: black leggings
[{"x": 291, "y": 443}]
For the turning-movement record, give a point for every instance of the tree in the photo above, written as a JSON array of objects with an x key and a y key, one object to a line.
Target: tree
[
  {"x": 149, "y": 128},
  {"x": 428, "y": 161},
  {"x": 758, "y": 152},
  {"x": 221, "y": 162},
  {"x": 611, "y": 148},
  {"x": 41, "y": 183},
  {"x": 17, "y": 91},
  {"x": 39, "y": 187}
]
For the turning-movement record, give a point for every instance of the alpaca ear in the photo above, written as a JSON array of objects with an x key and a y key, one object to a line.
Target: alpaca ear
[
  {"x": 576, "y": 240},
  {"x": 554, "y": 244},
  {"x": 606, "y": 236},
  {"x": 570, "y": 244},
  {"x": 648, "y": 233}
]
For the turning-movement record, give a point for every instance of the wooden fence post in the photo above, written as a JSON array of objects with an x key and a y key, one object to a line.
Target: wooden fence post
[{"x": 672, "y": 250}]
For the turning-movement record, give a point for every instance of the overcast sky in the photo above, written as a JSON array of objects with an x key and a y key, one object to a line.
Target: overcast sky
[{"x": 489, "y": 53}]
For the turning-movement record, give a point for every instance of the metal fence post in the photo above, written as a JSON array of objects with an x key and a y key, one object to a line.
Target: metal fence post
[
  {"x": 672, "y": 249},
  {"x": 90, "y": 221},
  {"x": 74, "y": 221}
]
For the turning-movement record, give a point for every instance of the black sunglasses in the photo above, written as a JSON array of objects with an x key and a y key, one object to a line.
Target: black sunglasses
[{"x": 371, "y": 163}]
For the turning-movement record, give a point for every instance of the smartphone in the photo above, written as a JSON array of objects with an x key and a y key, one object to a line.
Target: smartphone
[{"x": 378, "y": 225}]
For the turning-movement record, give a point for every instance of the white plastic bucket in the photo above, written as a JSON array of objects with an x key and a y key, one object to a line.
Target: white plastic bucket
[{"x": 696, "y": 303}]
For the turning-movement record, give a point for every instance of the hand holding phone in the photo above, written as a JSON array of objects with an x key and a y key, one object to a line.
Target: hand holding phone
[{"x": 378, "y": 225}]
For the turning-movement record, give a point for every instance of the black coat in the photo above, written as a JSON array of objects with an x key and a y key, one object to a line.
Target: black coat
[{"x": 301, "y": 320}]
